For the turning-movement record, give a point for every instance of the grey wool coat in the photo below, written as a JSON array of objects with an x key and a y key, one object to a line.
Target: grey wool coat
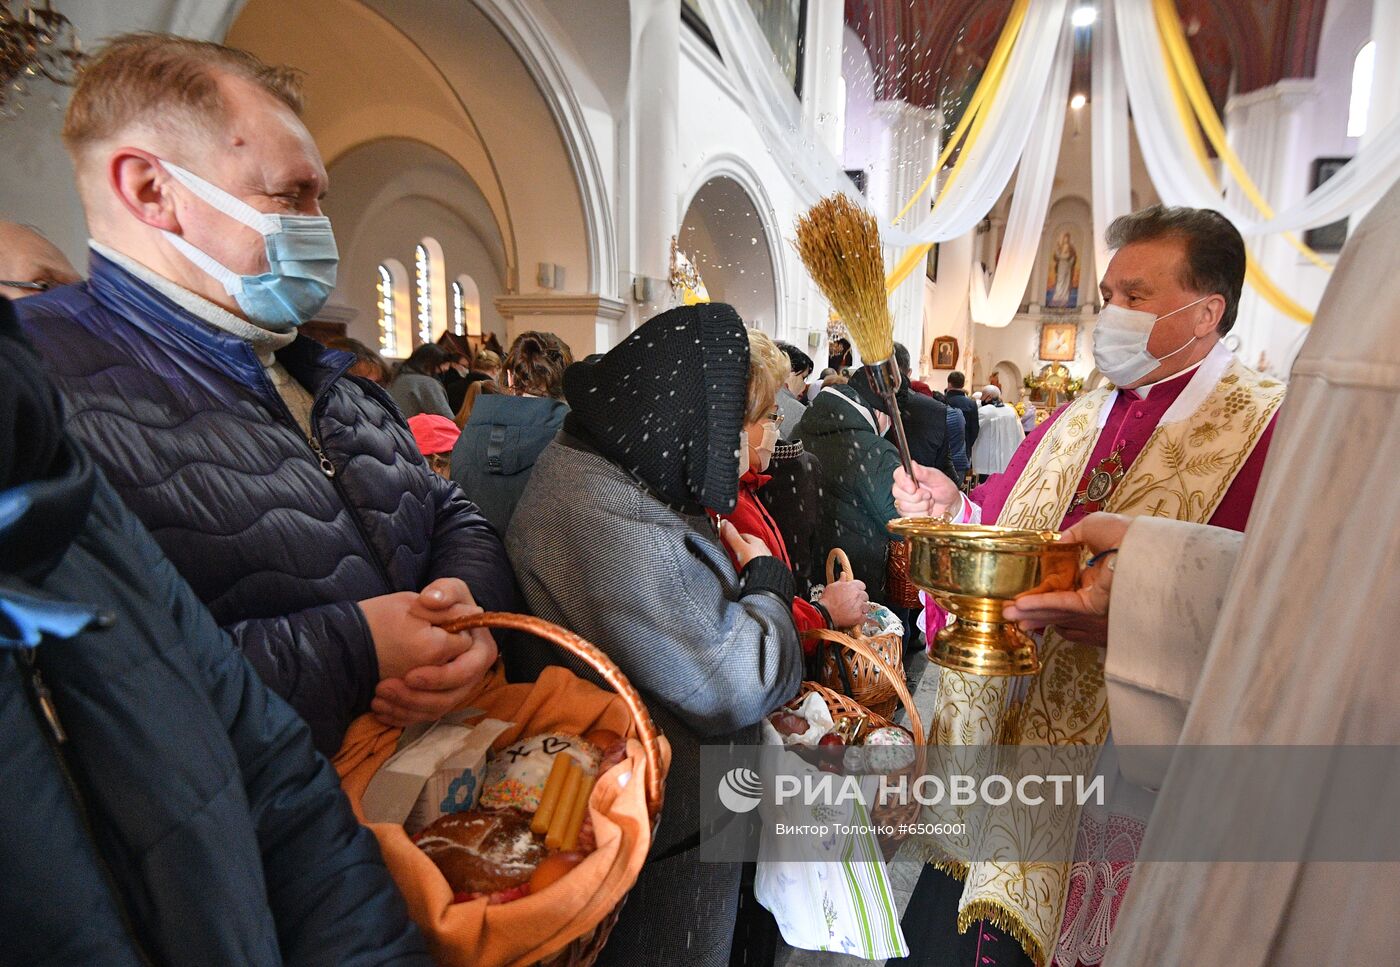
[{"x": 653, "y": 587}]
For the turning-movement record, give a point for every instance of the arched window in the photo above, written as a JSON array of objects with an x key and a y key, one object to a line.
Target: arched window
[
  {"x": 388, "y": 337},
  {"x": 430, "y": 304},
  {"x": 423, "y": 277},
  {"x": 1362, "y": 70},
  {"x": 466, "y": 306},
  {"x": 392, "y": 300}
]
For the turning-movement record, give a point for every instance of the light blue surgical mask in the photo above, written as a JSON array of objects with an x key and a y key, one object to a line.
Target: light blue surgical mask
[{"x": 301, "y": 258}]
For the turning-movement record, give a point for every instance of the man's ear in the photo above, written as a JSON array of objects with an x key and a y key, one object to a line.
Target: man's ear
[
  {"x": 144, "y": 187},
  {"x": 1210, "y": 319}
]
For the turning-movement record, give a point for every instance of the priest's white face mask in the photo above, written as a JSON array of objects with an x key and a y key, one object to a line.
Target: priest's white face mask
[{"x": 1120, "y": 342}]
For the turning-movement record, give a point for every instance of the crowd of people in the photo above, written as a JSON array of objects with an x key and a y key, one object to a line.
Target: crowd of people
[{"x": 224, "y": 541}]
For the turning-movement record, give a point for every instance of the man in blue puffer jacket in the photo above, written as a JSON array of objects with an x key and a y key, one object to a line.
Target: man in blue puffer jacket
[
  {"x": 161, "y": 805},
  {"x": 290, "y": 495}
]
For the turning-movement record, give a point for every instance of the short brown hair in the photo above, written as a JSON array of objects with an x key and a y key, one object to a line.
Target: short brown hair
[
  {"x": 1215, "y": 258},
  {"x": 536, "y": 363},
  {"x": 153, "y": 78},
  {"x": 768, "y": 370}
]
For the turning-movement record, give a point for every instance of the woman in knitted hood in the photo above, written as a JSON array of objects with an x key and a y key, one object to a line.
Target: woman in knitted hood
[{"x": 611, "y": 539}]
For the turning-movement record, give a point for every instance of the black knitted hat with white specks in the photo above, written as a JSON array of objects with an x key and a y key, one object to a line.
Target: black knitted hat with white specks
[{"x": 667, "y": 403}]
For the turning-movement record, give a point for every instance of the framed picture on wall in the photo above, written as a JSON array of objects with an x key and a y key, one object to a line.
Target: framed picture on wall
[
  {"x": 1331, "y": 237},
  {"x": 945, "y": 353},
  {"x": 1057, "y": 341}
]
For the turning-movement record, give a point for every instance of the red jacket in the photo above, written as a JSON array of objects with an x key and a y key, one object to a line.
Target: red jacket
[{"x": 752, "y": 518}]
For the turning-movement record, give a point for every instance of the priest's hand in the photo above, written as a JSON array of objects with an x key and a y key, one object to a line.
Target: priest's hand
[
  {"x": 1079, "y": 614},
  {"x": 929, "y": 494}
]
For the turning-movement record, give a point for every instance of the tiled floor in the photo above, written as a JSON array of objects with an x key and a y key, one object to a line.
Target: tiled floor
[{"x": 905, "y": 869}]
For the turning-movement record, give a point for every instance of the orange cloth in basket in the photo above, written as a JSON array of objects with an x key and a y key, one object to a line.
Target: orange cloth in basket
[{"x": 538, "y": 926}]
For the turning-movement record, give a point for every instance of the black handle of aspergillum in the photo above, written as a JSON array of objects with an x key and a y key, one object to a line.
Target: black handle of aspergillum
[{"x": 886, "y": 378}]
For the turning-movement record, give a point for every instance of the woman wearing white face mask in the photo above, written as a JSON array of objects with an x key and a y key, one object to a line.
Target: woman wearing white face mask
[{"x": 842, "y": 604}]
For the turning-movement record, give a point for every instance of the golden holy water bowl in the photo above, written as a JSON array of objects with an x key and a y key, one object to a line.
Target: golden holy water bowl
[{"x": 975, "y": 571}]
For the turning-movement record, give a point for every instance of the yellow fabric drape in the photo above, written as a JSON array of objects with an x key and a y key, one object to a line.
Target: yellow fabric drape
[
  {"x": 1254, "y": 275},
  {"x": 996, "y": 66},
  {"x": 1180, "y": 62},
  {"x": 974, "y": 117}
]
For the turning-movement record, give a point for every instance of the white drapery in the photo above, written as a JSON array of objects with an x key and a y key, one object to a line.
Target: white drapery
[
  {"x": 1177, "y": 173},
  {"x": 1112, "y": 178},
  {"x": 798, "y": 150},
  {"x": 1035, "y": 177}
]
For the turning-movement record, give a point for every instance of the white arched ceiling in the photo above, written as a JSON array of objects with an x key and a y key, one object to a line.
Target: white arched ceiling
[
  {"x": 579, "y": 55},
  {"x": 444, "y": 76},
  {"x": 386, "y": 195},
  {"x": 503, "y": 67},
  {"x": 725, "y": 236}
]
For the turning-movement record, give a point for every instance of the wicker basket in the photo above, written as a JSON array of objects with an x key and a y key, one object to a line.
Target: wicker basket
[
  {"x": 844, "y": 708},
  {"x": 870, "y": 684},
  {"x": 900, "y": 591},
  {"x": 583, "y": 950}
]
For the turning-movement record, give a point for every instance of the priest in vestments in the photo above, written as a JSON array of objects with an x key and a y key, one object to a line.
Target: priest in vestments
[
  {"x": 1308, "y": 594},
  {"x": 1183, "y": 435}
]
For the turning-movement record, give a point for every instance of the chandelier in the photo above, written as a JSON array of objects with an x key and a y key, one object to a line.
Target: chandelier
[{"x": 40, "y": 42}]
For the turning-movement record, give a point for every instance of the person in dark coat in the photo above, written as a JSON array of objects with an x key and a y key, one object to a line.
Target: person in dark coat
[
  {"x": 506, "y": 433},
  {"x": 458, "y": 378},
  {"x": 794, "y": 497},
  {"x": 844, "y": 427},
  {"x": 417, "y": 387},
  {"x": 161, "y": 804},
  {"x": 957, "y": 396},
  {"x": 613, "y": 538},
  {"x": 291, "y": 496},
  {"x": 925, "y": 420},
  {"x": 957, "y": 438}
]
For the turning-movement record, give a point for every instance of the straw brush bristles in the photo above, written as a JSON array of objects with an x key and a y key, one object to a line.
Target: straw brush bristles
[{"x": 839, "y": 243}]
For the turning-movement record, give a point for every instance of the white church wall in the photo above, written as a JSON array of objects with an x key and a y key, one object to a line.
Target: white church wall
[
  {"x": 717, "y": 138},
  {"x": 389, "y": 193},
  {"x": 37, "y": 187}
]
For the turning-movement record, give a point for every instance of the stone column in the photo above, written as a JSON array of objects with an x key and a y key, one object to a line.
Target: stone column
[
  {"x": 823, "y": 87},
  {"x": 911, "y": 149},
  {"x": 655, "y": 98},
  {"x": 1266, "y": 128},
  {"x": 824, "y": 109}
]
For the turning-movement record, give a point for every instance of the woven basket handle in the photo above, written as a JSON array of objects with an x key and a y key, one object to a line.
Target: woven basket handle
[
  {"x": 916, "y": 724},
  {"x": 838, "y": 556},
  {"x": 646, "y": 729}
]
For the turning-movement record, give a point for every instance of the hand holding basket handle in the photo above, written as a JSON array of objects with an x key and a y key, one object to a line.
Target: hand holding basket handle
[{"x": 845, "y": 598}]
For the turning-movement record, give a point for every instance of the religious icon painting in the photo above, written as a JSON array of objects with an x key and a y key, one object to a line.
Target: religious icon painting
[
  {"x": 1058, "y": 341},
  {"x": 945, "y": 352},
  {"x": 1062, "y": 269}
]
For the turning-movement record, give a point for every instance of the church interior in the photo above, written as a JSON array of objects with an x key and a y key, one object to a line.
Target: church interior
[{"x": 1007, "y": 303}]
